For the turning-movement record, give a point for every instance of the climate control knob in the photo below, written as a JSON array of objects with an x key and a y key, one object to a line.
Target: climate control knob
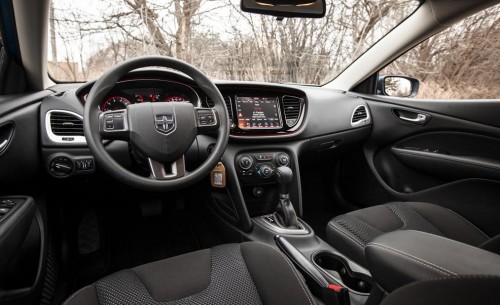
[
  {"x": 283, "y": 159},
  {"x": 245, "y": 162},
  {"x": 265, "y": 171}
]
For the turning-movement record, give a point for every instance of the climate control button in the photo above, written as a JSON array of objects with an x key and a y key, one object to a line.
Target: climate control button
[{"x": 245, "y": 162}]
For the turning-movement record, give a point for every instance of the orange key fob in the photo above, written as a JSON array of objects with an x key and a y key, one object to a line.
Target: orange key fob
[{"x": 218, "y": 176}]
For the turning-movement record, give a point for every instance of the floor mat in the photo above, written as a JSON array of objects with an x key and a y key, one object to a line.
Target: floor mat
[
  {"x": 128, "y": 239},
  {"x": 149, "y": 239},
  {"x": 318, "y": 205}
]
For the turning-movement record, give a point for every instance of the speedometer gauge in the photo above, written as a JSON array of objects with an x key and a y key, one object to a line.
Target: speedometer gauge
[
  {"x": 115, "y": 103},
  {"x": 176, "y": 98}
]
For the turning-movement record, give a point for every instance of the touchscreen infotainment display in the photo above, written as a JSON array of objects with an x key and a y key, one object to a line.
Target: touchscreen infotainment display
[{"x": 258, "y": 113}]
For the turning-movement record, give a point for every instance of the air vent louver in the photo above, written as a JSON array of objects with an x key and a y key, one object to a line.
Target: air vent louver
[
  {"x": 292, "y": 108},
  {"x": 229, "y": 106},
  {"x": 66, "y": 124},
  {"x": 360, "y": 116}
]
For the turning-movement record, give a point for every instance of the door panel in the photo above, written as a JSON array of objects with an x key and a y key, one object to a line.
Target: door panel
[
  {"x": 451, "y": 156},
  {"x": 23, "y": 239}
]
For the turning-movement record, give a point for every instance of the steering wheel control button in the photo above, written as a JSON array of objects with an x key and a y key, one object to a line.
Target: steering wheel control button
[
  {"x": 246, "y": 162},
  {"x": 114, "y": 124},
  {"x": 165, "y": 123},
  {"x": 109, "y": 122},
  {"x": 206, "y": 117},
  {"x": 4, "y": 211},
  {"x": 283, "y": 159},
  {"x": 118, "y": 121}
]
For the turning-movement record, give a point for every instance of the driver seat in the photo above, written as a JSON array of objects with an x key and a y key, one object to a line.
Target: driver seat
[{"x": 248, "y": 273}]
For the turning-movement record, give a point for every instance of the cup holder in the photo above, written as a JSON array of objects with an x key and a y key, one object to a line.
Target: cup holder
[{"x": 338, "y": 268}]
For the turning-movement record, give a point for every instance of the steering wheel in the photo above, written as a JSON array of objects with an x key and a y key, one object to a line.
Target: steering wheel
[{"x": 162, "y": 132}]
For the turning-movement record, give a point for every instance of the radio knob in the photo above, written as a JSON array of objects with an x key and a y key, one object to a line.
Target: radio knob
[
  {"x": 265, "y": 171},
  {"x": 245, "y": 162}
]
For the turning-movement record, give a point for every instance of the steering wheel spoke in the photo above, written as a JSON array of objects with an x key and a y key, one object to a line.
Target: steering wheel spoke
[
  {"x": 159, "y": 171},
  {"x": 113, "y": 125},
  {"x": 207, "y": 120}
]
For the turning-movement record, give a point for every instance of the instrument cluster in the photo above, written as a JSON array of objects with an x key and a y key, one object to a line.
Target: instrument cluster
[{"x": 148, "y": 91}]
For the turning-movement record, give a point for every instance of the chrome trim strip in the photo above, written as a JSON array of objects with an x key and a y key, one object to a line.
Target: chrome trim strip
[
  {"x": 262, "y": 222},
  {"x": 177, "y": 168}
]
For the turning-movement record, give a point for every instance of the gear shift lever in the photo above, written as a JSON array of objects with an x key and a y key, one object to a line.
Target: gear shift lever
[{"x": 285, "y": 215}]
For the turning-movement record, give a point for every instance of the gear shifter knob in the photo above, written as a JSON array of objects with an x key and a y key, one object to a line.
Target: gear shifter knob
[
  {"x": 285, "y": 214},
  {"x": 284, "y": 176}
]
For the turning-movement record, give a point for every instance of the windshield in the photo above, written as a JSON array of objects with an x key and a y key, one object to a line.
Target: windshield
[{"x": 88, "y": 37}]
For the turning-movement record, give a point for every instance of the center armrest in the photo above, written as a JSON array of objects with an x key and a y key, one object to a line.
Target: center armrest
[{"x": 401, "y": 257}]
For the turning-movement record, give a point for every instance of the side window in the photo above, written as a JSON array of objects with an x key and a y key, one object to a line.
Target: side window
[{"x": 461, "y": 62}]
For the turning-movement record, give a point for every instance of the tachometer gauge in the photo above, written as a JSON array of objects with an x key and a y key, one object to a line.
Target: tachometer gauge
[
  {"x": 115, "y": 103},
  {"x": 176, "y": 98}
]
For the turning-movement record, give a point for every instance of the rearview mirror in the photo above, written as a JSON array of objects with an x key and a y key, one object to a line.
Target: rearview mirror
[
  {"x": 397, "y": 86},
  {"x": 286, "y": 8}
]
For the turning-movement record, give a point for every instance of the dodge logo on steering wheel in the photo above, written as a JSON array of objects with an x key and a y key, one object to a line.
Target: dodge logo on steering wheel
[{"x": 165, "y": 123}]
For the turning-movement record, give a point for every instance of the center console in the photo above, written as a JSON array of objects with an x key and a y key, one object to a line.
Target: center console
[{"x": 267, "y": 183}]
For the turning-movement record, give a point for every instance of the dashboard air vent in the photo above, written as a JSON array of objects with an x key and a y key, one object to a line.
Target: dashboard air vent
[
  {"x": 66, "y": 124},
  {"x": 229, "y": 106},
  {"x": 360, "y": 116},
  {"x": 292, "y": 107}
]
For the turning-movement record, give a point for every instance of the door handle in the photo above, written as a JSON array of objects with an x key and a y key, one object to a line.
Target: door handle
[
  {"x": 421, "y": 118},
  {"x": 411, "y": 117},
  {"x": 6, "y": 133}
]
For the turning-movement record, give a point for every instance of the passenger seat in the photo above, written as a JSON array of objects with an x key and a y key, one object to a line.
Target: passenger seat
[{"x": 350, "y": 233}]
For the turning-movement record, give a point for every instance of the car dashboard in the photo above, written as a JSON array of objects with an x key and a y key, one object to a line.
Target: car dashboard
[{"x": 275, "y": 115}]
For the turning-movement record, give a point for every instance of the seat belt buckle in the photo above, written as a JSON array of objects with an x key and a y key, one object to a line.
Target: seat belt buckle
[{"x": 336, "y": 295}]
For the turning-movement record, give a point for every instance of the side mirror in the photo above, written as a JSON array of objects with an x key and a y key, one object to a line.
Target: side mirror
[
  {"x": 286, "y": 8},
  {"x": 397, "y": 86}
]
